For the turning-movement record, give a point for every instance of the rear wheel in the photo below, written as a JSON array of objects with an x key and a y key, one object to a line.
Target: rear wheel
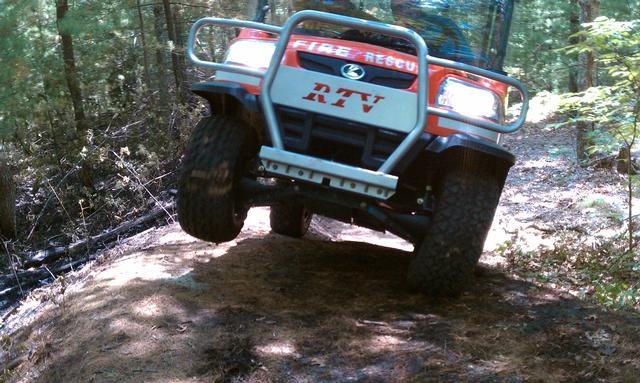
[
  {"x": 291, "y": 219},
  {"x": 444, "y": 262},
  {"x": 209, "y": 203}
]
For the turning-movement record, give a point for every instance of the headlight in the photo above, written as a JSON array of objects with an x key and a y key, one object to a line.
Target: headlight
[
  {"x": 470, "y": 100},
  {"x": 251, "y": 53}
]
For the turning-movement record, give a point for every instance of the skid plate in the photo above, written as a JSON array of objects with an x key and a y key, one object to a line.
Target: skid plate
[{"x": 304, "y": 168}]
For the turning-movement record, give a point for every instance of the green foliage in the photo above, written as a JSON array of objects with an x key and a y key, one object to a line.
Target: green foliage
[
  {"x": 617, "y": 295},
  {"x": 517, "y": 259},
  {"x": 540, "y": 31},
  {"x": 71, "y": 182},
  {"x": 615, "y": 104},
  {"x": 539, "y": 28},
  {"x": 600, "y": 206},
  {"x": 603, "y": 271}
]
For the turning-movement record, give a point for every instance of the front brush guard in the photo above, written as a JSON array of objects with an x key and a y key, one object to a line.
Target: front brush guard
[{"x": 307, "y": 169}]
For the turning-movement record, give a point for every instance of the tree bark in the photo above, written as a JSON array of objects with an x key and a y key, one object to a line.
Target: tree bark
[
  {"x": 145, "y": 51},
  {"x": 178, "y": 16},
  {"x": 589, "y": 10},
  {"x": 181, "y": 44},
  {"x": 574, "y": 27},
  {"x": 70, "y": 70},
  {"x": 160, "y": 62},
  {"x": 175, "y": 58},
  {"x": 7, "y": 203}
]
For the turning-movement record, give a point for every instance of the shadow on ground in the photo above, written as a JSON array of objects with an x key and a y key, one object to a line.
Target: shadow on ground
[{"x": 280, "y": 310}]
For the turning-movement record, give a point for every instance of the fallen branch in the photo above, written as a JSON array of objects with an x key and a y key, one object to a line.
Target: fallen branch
[
  {"x": 555, "y": 229},
  {"x": 53, "y": 254},
  {"x": 13, "y": 287},
  {"x": 9, "y": 294}
]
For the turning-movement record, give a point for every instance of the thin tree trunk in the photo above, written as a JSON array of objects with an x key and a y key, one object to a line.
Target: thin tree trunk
[
  {"x": 178, "y": 16},
  {"x": 70, "y": 71},
  {"x": 160, "y": 62},
  {"x": 181, "y": 44},
  {"x": 589, "y": 10},
  {"x": 630, "y": 224},
  {"x": 7, "y": 203},
  {"x": 574, "y": 27},
  {"x": 145, "y": 52},
  {"x": 175, "y": 58},
  {"x": 57, "y": 136}
]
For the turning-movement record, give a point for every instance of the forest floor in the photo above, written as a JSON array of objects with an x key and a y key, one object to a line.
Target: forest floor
[{"x": 333, "y": 307}]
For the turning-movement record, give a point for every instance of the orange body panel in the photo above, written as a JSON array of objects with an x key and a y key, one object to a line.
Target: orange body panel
[{"x": 364, "y": 53}]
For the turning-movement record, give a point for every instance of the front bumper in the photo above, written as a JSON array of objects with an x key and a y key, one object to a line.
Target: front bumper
[{"x": 328, "y": 173}]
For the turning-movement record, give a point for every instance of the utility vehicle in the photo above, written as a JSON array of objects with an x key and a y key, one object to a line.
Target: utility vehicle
[{"x": 384, "y": 114}]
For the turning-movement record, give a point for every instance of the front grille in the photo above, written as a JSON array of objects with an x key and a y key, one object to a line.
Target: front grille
[
  {"x": 335, "y": 139},
  {"x": 374, "y": 75}
]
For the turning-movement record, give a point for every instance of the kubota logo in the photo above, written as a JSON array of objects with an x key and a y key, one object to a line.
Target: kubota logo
[
  {"x": 352, "y": 71},
  {"x": 321, "y": 92}
]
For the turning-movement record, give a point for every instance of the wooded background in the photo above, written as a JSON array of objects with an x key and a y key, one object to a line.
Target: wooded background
[{"x": 95, "y": 107}]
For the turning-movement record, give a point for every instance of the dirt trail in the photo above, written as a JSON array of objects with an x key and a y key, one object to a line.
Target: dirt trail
[{"x": 164, "y": 307}]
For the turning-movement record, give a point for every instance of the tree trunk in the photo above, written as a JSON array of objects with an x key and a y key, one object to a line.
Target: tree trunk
[
  {"x": 175, "y": 58},
  {"x": 161, "y": 72},
  {"x": 145, "y": 51},
  {"x": 178, "y": 16},
  {"x": 589, "y": 10},
  {"x": 181, "y": 44},
  {"x": 7, "y": 203},
  {"x": 70, "y": 71},
  {"x": 574, "y": 27}
]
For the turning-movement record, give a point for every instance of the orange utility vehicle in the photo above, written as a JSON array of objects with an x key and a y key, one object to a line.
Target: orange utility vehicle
[{"x": 385, "y": 114}]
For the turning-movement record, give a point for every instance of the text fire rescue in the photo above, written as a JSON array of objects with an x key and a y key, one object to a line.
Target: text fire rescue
[{"x": 346, "y": 52}]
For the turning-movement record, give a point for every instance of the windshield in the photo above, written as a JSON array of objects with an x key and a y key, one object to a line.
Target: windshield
[{"x": 469, "y": 31}]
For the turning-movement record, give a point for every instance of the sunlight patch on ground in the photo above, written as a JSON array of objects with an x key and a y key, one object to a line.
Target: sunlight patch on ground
[
  {"x": 498, "y": 234},
  {"x": 23, "y": 315},
  {"x": 176, "y": 237},
  {"x": 141, "y": 268},
  {"x": 277, "y": 349},
  {"x": 385, "y": 343},
  {"x": 360, "y": 234},
  {"x": 497, "y": 365},
  {"x": 507, "y": 228},
  {"x": 540, "y": 164},
  {"x": 519, "y": 198},
  {"x": 258, "y": 221},
  {"x": 528, "y": 239},
  {"x": 122, "y": 325},
  {"x": 149, "y": 307},
  {"x": 213, "y": 251}
]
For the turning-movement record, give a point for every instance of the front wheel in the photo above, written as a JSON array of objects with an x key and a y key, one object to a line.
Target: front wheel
[
  {"x": 444, "y": 262},
  {"x": 209, "y": 202}
]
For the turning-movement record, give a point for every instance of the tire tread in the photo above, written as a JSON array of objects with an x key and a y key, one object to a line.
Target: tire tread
[
  {"x": 211, "y": 167},
  {"x": 444, "y": 262}
]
